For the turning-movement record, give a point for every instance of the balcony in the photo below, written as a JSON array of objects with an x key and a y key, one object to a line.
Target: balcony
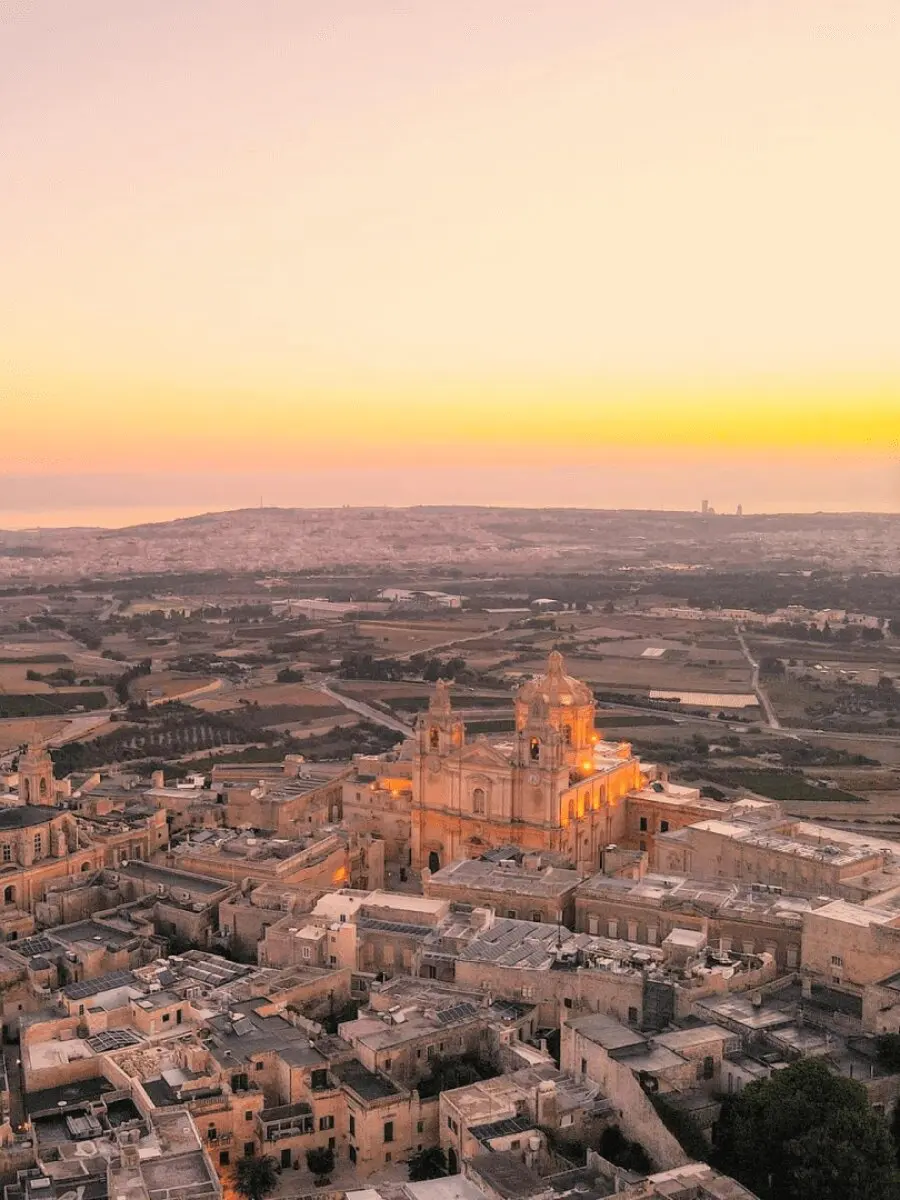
[{"x": 287, "y": 1121}]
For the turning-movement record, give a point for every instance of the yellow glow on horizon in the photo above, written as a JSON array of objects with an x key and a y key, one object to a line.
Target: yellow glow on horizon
[{"x": 529, "y": 424}]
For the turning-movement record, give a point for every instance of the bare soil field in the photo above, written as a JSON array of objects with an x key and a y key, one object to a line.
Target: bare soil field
[
  {"x": 14, "y": 678},
  {"x": 265, "y": 696},
  {"x": 15, "y": 731},
  {"x": 420, "y": 636},
  {"x": 170, "y": 687},
  {"x": 644, "y": 674}
]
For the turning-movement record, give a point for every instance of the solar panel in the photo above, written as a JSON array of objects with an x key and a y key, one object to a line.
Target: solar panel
[
  {"x": 92, "y": 987},
  {"x": 113, "y": 1039},
  {"x": 34, "y": 946},
  {"x": 457, "y": 1012}
]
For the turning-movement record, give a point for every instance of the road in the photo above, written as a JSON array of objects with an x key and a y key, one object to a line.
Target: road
[
  {"x": 771, "y": 719},
  {"x": 375, "y": 715}
]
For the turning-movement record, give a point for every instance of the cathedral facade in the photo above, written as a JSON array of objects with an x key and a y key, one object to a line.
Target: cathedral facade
[{"x": 552, "y": 785}]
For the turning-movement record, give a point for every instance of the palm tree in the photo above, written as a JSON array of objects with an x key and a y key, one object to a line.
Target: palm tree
[{"x": 255, "y": 1178}]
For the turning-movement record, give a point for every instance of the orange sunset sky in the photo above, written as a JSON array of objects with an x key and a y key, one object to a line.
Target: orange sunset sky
[{"x": 623, "y": 254}]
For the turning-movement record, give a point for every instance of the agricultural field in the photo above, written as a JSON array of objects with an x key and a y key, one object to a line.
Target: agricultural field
[{"x": 268, "y": 695}]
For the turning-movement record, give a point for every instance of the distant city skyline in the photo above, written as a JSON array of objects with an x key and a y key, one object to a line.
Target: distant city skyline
[
  {"x": 833, "y": 483},
  {"x": 559, "y": 253}
]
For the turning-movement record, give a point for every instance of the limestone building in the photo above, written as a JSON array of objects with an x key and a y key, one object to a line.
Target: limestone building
[{"x": 553, "y": 785}]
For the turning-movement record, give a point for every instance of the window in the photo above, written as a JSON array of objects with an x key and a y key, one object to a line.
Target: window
[
  {"x": 248, "y": 1115},
  {"x": 224, "y": 1158},
  {"x": 632, "y": 1015},
  {"x": 568, "y": 1002},
  {"x": 584, "y": 1066},
  {"x": 567, "y": 734},
  {"x": 352, "y": 1154},
  {"x": 515, "y": 1145},
  {"x": 259, "y": 1066},
  {"x": 566, "y": 1119},
  {"x": 709, "y": 1067},
  {"x": 836, "y": 960},
  {"x": 389, "y": 1131},
  {"x": 326, "y": 1122},
  {"x": 420, "y": 1126},
  {"x": 7, "y": 852},
  {"x": 387, "y": 1064},
  {"x": 534, "y": 749},
  {"x": 387, "y": 1157},
  {"x": 792, "y": 956},
  {"x": 511, "y": 913},
  {"x": 331, "y": 1143},
  {"x": 38, "y": 844},
  {"x": 664, "y": 827},
  {"x": 211, "y": 1133},
  {"x": 642, "y": 845},
  {"x": 306, "y": 951},
  {"x": 249, "y": 1149},
  {"x": 434, "y": 739},
  {"x": 318, "y": 1079},
  {"x": 536, "y": 916},
  {"x": 352, "y": 1125},
  {"x": 643, "y": 825},
  {"x": 478, "y": 800},
  {"x": 166, "y": 1018}
]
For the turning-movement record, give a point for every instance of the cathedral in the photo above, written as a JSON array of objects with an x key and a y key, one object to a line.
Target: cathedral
[{"x": 552, "y": 785}]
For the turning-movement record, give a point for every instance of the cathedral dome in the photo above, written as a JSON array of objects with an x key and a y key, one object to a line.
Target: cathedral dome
[{"x": 555, "y": 688}]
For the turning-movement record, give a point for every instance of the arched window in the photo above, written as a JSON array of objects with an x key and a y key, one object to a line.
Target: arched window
[
  {"x": 42, "y": 788},
  {"x": 9, "y": 895},
  {"x": 478, "y": 800},
  {"x": 573, "y": 808},
  {"x": 26, "y": 790},
  {"x": 534, "y": 749},
  {"x": 434, "y": 738}
]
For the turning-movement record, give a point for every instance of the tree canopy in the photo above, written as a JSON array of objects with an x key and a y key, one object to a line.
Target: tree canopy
[
  {"x": 255, "y": 1177},
  {"x": 806, "y": 1134},
  {"x": 430, "y": 1163}
]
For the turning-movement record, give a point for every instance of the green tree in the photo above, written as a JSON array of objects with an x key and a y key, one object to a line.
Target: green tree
[
  {"x": 320, "y": 1160},
  {"x": 255, "y": 1177},
  {"x": 430, "y": 1163},
  {"x": 806, "y": 1134}
]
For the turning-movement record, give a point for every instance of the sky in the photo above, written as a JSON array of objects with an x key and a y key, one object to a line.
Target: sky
[{"x": 525, "y": 252}]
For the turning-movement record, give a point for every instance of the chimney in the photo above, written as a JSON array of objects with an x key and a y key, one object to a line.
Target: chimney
[{"x": 546, "y": 1104}]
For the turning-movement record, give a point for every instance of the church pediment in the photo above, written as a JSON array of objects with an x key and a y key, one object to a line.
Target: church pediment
[{"x": 483, "y": 754}]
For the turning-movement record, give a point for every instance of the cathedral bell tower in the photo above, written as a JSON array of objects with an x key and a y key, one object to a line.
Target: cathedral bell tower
[
  {"x": 36, "y": 785},
  {"x": 539, "y": 744},
  {"x": 437, "y": 730}
]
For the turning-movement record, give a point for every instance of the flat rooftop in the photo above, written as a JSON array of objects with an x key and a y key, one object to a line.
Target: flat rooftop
[
  {"x": 169, "y": 877},
  {"x": 366, "y": 1084},
  {"x": 547, "y": 882}
]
